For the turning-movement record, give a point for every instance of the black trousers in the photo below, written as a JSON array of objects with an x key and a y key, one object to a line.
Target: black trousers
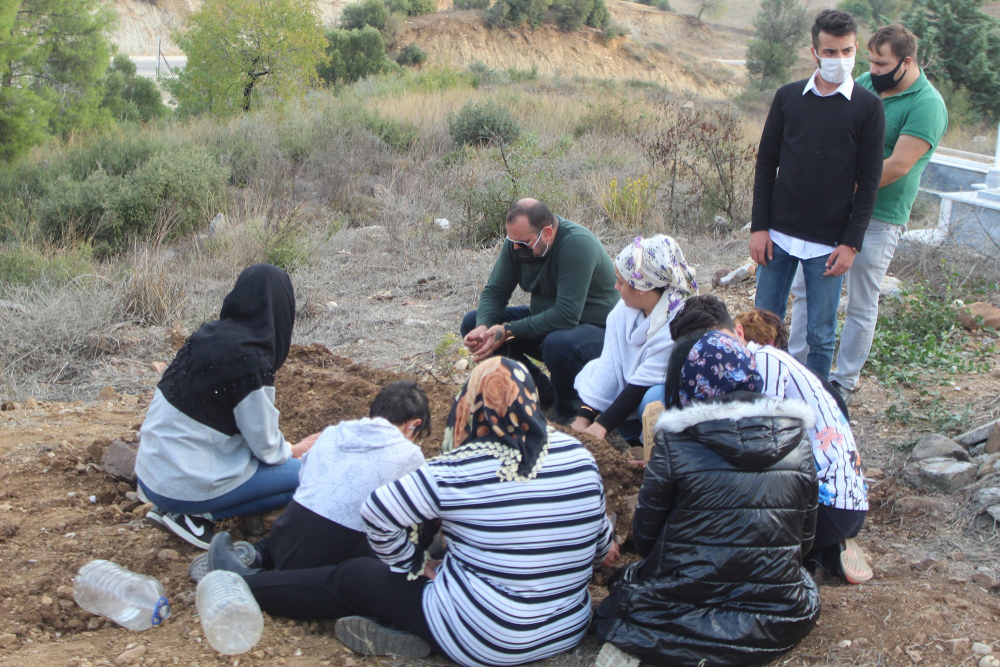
[
  {"x": 833, "y": 526},
  {"x": 301, "y": 539},
  {"x": 358, "y": 587},
  {"x": 565, "y": 352}
]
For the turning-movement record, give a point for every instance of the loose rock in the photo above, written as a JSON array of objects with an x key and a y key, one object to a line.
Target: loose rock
[
  {"x": 943, "y": 474},
  {"x": 917, "y": 505},
  {"x": 983, "y": 580},
  {"x": 987, "y": 497},
  {"x": 108, "y": 394},
  {"x": 168, "y": 554},
  {"x": 158, "y": 366},
  {"x": 956, "y": 646},
  {"x": 130, "y": 656},
  {"x": 979, "y": 315},
  {"x": 119, "y": 460},
  {"x": 989, "y": 661},
  {"x": 937, "y": 446},
  {"x": 891, "y": 287},
  {"x": 981, "y": 648}
]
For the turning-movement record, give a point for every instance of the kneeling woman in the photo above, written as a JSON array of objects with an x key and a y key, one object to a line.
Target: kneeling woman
[
  {"x": 726, "y": 513},
  {"x": 523, "y": 513},
  {"x": 210, "y": 447},
  {"x": 654, "y": 282}
]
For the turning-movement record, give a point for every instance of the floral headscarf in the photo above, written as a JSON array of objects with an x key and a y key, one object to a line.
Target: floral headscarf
[
  {"x": 658, "y": 263},
  {"x": 717, "y": 364},
  {"x": 497, "y": 413}
]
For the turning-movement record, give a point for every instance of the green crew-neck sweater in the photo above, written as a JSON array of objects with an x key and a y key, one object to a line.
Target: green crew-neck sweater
[{"x": 574, "y": 284}]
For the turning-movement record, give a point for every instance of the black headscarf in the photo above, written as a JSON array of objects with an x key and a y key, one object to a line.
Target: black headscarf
[
  {"x": 497, "y": 413},
  {"x": 225, "y": 360}
]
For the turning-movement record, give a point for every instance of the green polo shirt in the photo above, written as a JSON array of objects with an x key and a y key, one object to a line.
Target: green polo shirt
[{"x": 918, "y": 111}]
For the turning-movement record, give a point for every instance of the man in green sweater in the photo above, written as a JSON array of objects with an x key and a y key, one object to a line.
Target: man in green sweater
[{"x": 571, "y": 280}]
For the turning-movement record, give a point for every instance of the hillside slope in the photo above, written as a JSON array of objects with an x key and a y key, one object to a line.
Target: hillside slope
[{"x": 665, "y": 48}]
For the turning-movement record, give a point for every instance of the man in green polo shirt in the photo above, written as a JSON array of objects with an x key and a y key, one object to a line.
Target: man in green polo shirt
[
  {"x": 571, "y": 280},
  {"x": 915, "y": 121}
]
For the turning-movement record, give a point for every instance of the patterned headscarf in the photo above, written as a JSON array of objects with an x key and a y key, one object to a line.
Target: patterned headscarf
[
  {"x": 717, "y": 364},
  {"x": 653, "y": 263},
  {"x": 497, "y": 413}
]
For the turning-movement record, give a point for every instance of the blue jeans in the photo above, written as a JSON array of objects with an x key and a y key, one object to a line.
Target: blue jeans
[
  {"x": 774, "y": 283},
  {"x": 632, "y": 429},
  {"x": 270, "y": 488},
  {"x": 565, "y": 352}
]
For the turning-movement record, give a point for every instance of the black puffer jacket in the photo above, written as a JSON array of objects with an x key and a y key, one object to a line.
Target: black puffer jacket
[{"x": 726, "y": 512}]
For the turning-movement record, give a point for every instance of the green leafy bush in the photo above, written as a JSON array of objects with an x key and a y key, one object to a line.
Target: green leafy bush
[
  {"x": 472, "y": 4},
  {"x": 399, "y": 135},
  {"x": 422, "y": 7},
  {"x": 410, "y": 55},
  {"x": 662, "y": 5},
  {"x": 507, "y": 13},
  {"x": 482, "y": 123},
  {"x": 362, "y": 14},
  {"x": 23, "y": 264},
  {"x": 128, "y": 97},
  {"x": 919, "y": 335},
  {"x": 354, "y": 54},
  {"x": 144, "y": 188}
]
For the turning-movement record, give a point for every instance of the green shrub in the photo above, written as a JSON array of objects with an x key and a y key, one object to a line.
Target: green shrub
[
  {"x": 599, "y": 16},
  {"x": 128, "y": 97},
  {"x": 662, "y": 5},
  {"x": 517, "y": 12},
  {"x": 172, "y": 192},
  {"x": 483, "y": 123},
  {"x": 399, "y": 135},
  {"x": 571, "y": 14},
  {"x": 398, "y": 6},
  {"x": 362, "y": 14},
  {"x": 410, "y": 55},
  {"x": 354, "y": 55},
  {"x": 626, "y": 204},
  {"x": 422, "y": 7},
  {"x": 523, "y": 75},
  {"x": 472, "y": 4}
]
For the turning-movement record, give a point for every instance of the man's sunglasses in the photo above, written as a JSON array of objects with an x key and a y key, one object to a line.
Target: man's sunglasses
[{"x": 533, "y": 243}]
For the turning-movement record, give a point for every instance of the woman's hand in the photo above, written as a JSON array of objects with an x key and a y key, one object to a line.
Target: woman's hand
[
  {"x": 430, "y": 569},
  {"x": 597, "y": 431},
  {"x": 299, "y": 449},
  {"x": 613, "y": 555},
  {"x": 580, "y": 424}
]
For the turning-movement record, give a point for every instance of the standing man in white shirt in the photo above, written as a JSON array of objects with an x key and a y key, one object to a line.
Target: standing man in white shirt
[
  {"x": 915, "y": 121},
  {"x": 818, "y": 170}
]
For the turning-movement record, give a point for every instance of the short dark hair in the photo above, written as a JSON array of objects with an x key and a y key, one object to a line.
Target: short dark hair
[
  {"x": 701, "y": 312},
  {"x": 538, "y": 214},
  {"x": 902, "y": 42},
  {"x": 400, "y": 402},
  {"x": 833, "y": 22}
]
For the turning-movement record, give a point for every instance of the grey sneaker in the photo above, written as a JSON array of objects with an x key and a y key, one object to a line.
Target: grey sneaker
[
  {"x": 369, "y": 637},
  {"x": 612, "y": 656},
  {"x": 199, "y": 566}
]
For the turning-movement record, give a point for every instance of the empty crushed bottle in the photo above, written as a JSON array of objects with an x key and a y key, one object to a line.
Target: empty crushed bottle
[
  {"x": 230, "y": 616},
  {"x": 134, "y": 601}
]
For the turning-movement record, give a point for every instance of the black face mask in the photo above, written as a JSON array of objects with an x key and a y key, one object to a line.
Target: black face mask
[
  {"x": 524, "y": 255},
  {"x": 887, "y": 81}
]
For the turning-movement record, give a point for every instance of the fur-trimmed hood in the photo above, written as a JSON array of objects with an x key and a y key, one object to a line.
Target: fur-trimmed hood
[{"x": 747, "y": 429}]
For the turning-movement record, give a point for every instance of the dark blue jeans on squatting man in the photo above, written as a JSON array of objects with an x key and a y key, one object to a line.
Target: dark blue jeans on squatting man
[
  {"x": 774, "y": 283},
  {"x": 270, "y": 488},
  {"x": 564, "y": 352}
]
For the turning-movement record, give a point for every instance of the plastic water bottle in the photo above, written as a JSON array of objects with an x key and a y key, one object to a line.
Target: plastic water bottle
[
  {"x": 230, "y": 616},
  {"x": 132, "y": 600}
]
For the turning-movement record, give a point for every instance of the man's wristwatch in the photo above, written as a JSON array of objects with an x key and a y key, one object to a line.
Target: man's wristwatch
[{"x": 507, "y": 333}]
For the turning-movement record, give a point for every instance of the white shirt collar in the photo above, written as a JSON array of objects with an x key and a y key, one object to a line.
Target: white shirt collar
[{"x": 845, "y": 89}]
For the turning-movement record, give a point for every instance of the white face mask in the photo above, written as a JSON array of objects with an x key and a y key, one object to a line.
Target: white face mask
[{"x": 835, "y": 70}]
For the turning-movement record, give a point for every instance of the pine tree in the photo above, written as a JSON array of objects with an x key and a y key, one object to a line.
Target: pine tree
[
  {"x": 52, "y": 55},
  {"x": 780, "y": 31},
  {"x": 961, "y": 45}
]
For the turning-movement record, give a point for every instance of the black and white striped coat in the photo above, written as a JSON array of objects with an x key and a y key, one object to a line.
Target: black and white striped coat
[{"x": 513, "y": 587}]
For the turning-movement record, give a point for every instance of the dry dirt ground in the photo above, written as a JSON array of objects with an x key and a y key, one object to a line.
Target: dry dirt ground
[{"x": 934, "y": 567}]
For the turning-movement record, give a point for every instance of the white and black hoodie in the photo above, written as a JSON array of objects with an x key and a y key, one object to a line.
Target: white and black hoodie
[{"x": 213, "y": 418}]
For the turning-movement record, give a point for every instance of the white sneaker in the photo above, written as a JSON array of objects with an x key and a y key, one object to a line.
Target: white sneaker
[{"x": 612, "y": 656}]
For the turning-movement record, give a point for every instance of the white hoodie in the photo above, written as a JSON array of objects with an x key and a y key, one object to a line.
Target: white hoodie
[{"x": 348, "y": 462}]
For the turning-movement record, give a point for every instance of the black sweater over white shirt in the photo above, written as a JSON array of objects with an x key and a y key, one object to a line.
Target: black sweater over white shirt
[{"x": 813, "y": 152}]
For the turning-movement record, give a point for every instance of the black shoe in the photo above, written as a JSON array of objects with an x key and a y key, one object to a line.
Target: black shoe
[
  {"x": 244, "y": 551},
  {"x": 222, "y": 555},
  {"x": 844, "y": 393},
  {"x": 369, "y": 637},
  {"x": 195, "y": 530}
]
